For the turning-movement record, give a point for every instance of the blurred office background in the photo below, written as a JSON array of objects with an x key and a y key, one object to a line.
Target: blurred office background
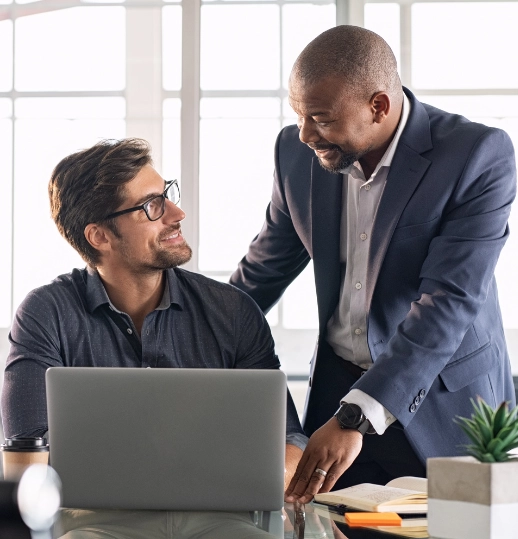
[{"x": 205, "y": 81}]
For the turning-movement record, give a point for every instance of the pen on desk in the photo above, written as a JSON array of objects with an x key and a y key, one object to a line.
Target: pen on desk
[
  {"x": 299, "y": 524},
  {"x": 342, "y": 509},
  {"x": 339, "y": 509}
]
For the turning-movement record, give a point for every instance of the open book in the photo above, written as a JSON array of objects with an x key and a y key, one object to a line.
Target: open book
[
  {"x": 415, "y": 531},
  {"x": 413, "y": 521},
  {"x": 419, "y": 522},
  {"x": 401, "y": 495}
]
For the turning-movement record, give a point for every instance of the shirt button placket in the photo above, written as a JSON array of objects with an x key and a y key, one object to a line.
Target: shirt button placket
[{"x": 145, "y": 347}]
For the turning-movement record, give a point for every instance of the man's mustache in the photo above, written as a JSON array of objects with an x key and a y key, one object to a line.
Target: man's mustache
[
  {"x": 320, "y": 147},
  {"x": 172, "y": 230}
]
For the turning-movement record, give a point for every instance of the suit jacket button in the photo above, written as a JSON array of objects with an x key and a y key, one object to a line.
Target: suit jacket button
[
  {"x": 417, "y": 400},
  {"x": 422, "y": 393},
  {"x": 413, "y": 408}
]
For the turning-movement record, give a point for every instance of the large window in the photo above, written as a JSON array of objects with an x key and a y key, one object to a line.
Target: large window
[
  {"x": 60, "y": 90},
  {"x": 247, "y": 50},
  {"x": 206, "y": 83}
]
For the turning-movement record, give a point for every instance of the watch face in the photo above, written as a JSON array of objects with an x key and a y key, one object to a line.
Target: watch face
[{"x": 350, "y": 415}]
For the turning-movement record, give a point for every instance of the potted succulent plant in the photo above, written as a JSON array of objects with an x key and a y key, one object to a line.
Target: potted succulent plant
[{"x": 476, "y": 497}]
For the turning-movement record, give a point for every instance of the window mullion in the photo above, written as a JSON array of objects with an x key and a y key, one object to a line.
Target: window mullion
[
  {"x": 144, "y": 77},
  {"x": 350, "y": 12},
  {"x": 405, "y": 69},
  {"x": 190, "y": 125}
]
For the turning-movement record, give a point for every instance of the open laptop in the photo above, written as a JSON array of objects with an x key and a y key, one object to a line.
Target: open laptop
[{"x": 175, "y": 439}]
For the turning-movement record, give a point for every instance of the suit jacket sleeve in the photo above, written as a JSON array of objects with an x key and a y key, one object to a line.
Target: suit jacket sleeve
[{"x": 449, "y": 320}]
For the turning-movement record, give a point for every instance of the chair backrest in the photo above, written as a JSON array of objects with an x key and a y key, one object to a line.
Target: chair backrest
[{"x": 11, "y": 523}]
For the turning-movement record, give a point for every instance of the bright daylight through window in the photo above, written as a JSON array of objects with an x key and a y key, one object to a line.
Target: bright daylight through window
[{"x": 212, "y": 110}]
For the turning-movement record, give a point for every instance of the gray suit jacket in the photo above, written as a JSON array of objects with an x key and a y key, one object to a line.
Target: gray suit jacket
[{"x": 434, "y": 325}]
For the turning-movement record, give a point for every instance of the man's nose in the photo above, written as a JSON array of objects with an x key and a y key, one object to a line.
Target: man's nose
[
  {"x": 308, "y": 132},
  {"x": 172, "y": 212}
]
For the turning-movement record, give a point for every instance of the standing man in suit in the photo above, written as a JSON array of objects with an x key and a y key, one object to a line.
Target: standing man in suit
[{"x": 403, "y": 209}]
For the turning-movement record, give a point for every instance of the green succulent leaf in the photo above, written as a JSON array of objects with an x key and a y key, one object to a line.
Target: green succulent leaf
[
  {"x": 499, "y": 418},
  {"x": 474, "y": 436},
  {"x": 494, "y": 446},
  {"x": 485, "y": 411},
  {"x": 485, "y": 431},
  {"x": 511, "y": 418},
  {"x": 507, "y": 431},
  {"x": 509, "y": 438},
  {"x": 493, "y": 433}
]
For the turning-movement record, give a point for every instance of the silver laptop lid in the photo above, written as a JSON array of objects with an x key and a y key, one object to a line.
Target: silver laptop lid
[{"x": 177, "y": 439}]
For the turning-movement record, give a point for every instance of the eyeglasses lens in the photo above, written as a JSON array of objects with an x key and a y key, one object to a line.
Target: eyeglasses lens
[
  {"x": 173, "y": 193},
  {"x": 155, "y": 208}
]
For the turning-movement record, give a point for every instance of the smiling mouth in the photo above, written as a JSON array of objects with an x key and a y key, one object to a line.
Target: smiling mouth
[
  {"x": 172, "y": 235},
  {"x": 326, "y": 153}
]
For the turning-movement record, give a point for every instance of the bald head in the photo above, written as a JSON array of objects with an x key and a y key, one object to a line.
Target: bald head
[
  {"x": 346, "y": 92},
  {"x": 362, "y": 58}
]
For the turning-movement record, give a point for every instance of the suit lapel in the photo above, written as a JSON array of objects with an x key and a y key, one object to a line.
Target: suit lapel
[
  {"x": 407, "y": 169},
  {"x": 326, "y": 210}
]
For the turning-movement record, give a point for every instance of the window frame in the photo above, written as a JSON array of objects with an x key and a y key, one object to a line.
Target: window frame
[{"x": 145, "y": 95}]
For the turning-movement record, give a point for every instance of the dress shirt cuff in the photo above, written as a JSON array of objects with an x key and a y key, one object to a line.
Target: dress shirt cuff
[
  {"x": 298, "y": 439},
  {"x": 379, "y": 417}
]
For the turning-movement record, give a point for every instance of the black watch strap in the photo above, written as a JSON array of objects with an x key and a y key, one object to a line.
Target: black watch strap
[{"x": 351, "y": 416}]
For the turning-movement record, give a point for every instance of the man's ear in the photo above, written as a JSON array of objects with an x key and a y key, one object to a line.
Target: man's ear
[
  {"x": 380, "y": 103},
  {"x": 97, "y": 237}
]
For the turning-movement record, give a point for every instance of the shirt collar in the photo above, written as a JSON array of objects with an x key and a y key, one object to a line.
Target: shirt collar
[
  {"x": 173, "y": 294},
  {"x": 96, "y": 294},
  {"x": 386, "y": 160}
]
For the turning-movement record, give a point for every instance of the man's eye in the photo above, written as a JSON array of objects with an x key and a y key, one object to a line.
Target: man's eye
[{"x": 154, "y": 202}]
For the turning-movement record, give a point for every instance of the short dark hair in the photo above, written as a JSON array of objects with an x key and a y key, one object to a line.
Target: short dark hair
[
  {"x": 362, "y": 58},
  {"x": 88, "y": 185}
]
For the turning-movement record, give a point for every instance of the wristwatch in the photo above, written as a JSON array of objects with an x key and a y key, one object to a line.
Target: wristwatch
[{"x": 350, "y": 416}]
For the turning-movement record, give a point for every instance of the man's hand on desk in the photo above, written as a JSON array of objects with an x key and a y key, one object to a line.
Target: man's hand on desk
[
  {"x": 304, "y": 522},
  {"x": 293, "y": 455},
  {"x": 330, "y": 449}
]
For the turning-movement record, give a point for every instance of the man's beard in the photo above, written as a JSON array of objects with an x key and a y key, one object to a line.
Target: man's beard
[
  {"x": 171, "y": 259},
  {"x": 160, "y": 260},
  {"x": 345, "y": 161}
]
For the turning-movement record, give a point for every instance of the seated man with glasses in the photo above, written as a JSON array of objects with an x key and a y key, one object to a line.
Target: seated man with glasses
[{"x": 131, "y": 306}]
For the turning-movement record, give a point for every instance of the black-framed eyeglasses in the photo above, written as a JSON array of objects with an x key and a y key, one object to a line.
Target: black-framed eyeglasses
[{"x": 154, "y": 208}]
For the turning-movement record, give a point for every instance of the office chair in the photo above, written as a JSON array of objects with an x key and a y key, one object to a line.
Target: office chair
[
  {"x": 29, "y": 507},
  {"x": 11, "y": 522}
]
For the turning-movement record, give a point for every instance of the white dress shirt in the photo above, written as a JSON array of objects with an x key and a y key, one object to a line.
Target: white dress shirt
[{"x": 347, "y": 328}]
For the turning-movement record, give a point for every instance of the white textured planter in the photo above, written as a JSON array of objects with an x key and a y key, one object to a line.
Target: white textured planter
[{"x": 468, "y": 499}]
